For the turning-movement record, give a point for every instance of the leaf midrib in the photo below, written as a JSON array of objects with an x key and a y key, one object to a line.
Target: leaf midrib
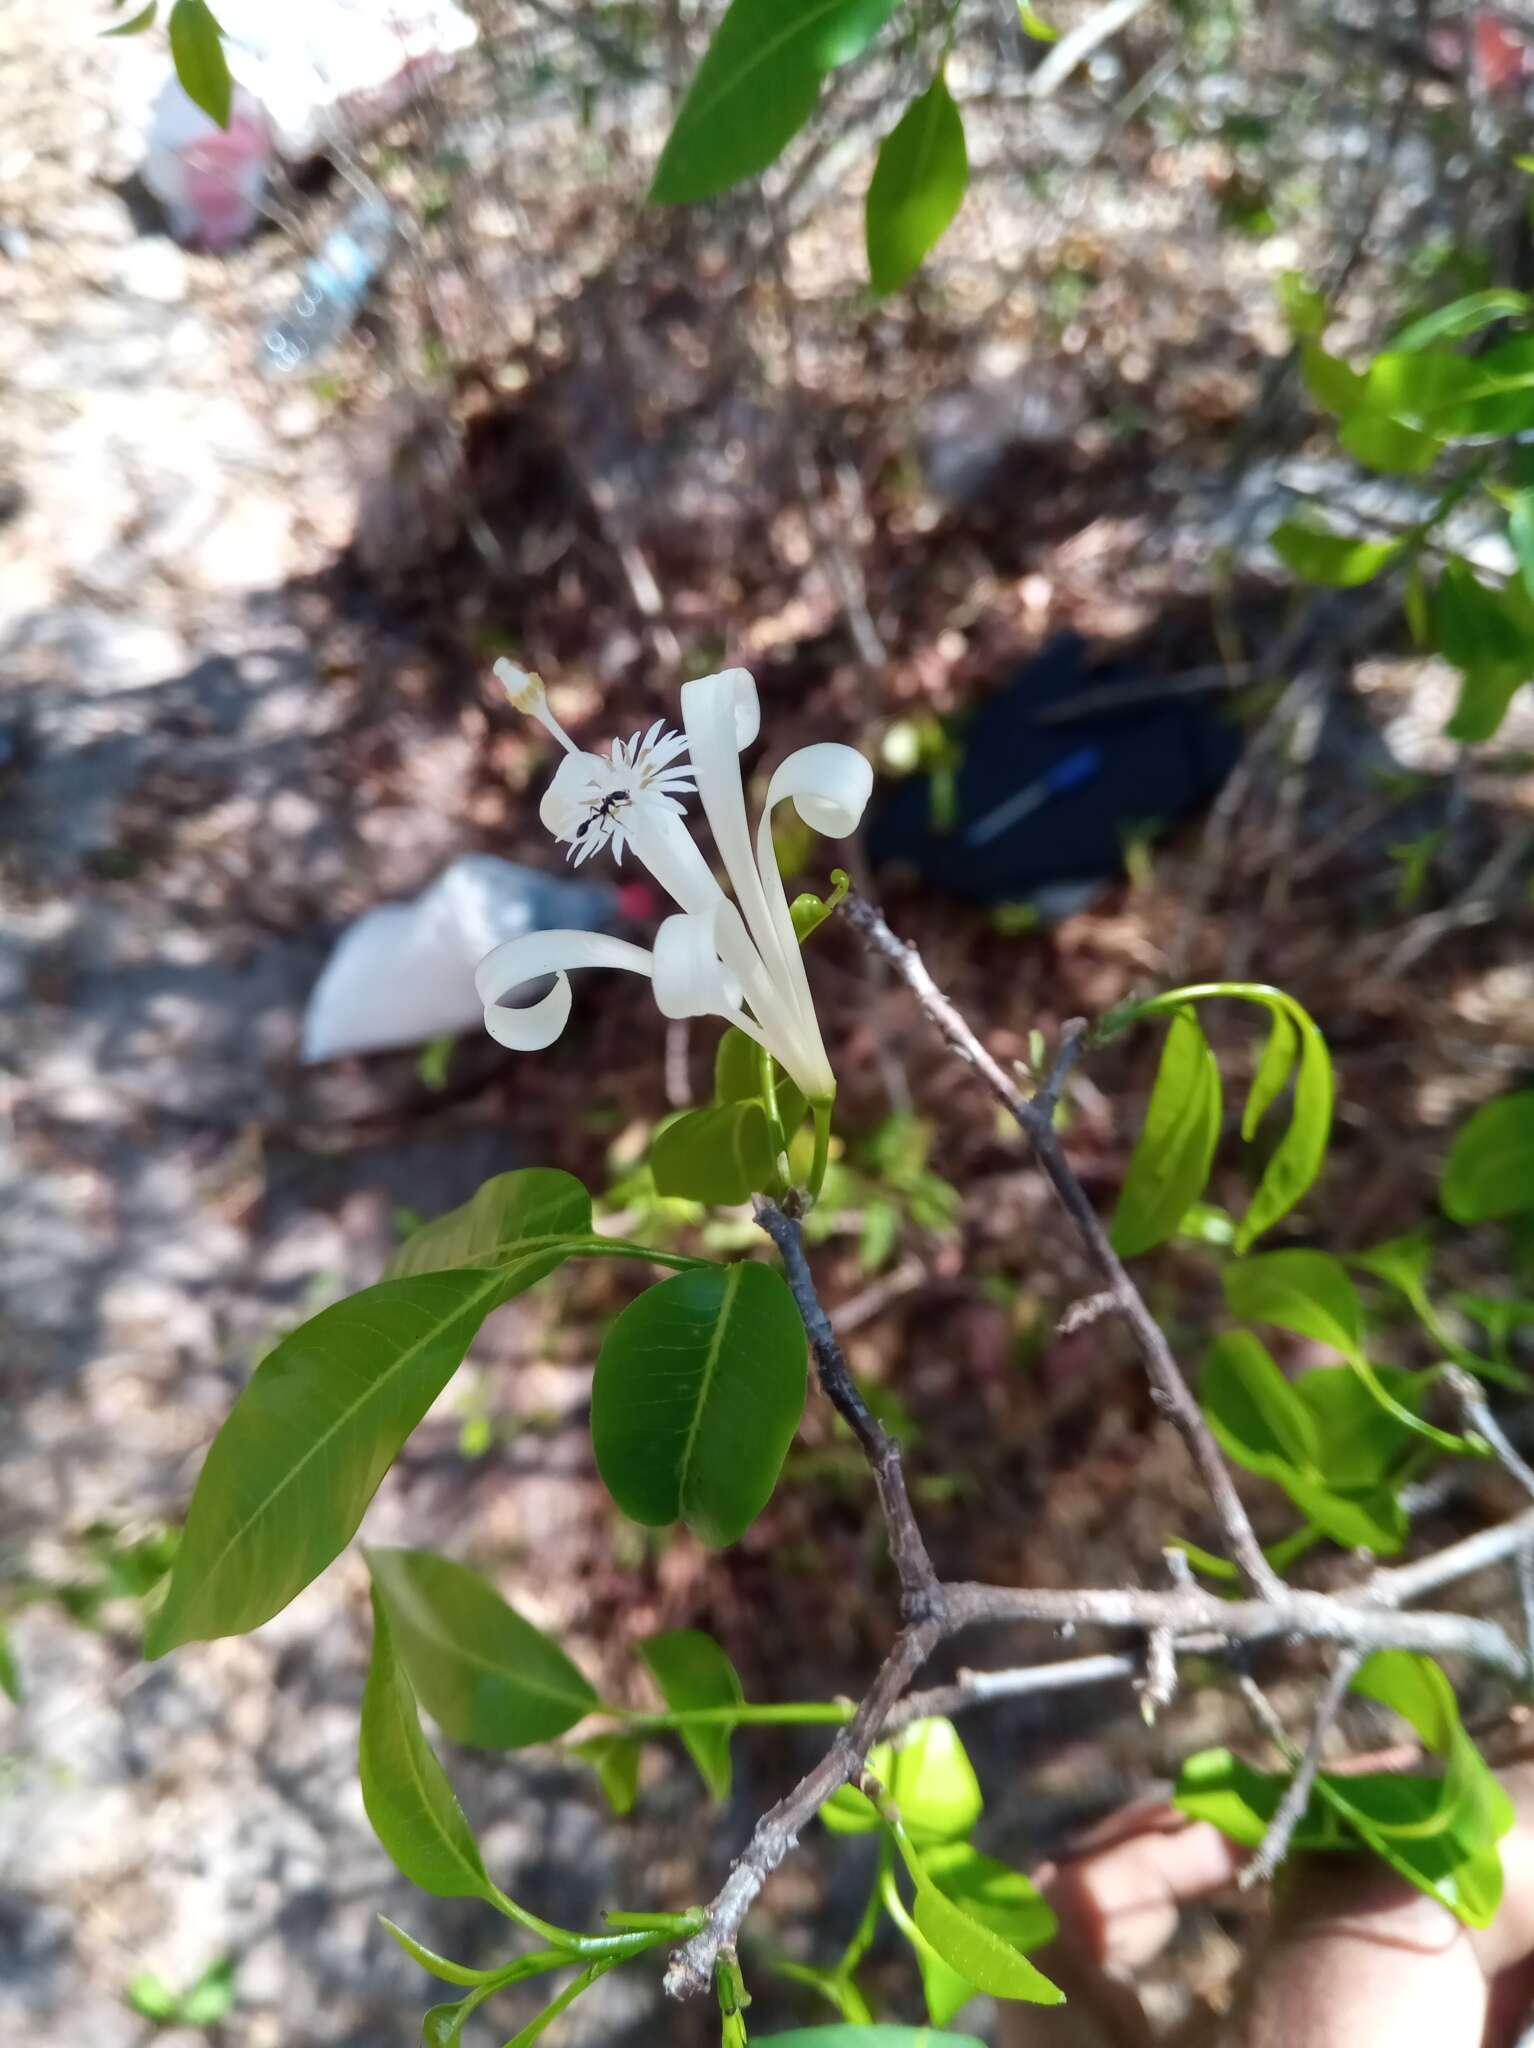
[
  {"x": 710, "y": 1366},
  {"x": 493, "y": 1283},
  {"x": 411, "y": 1727},
  {"x": 760, "y": 56}
]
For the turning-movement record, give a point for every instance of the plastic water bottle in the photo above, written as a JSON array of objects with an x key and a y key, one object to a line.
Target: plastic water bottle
[{"x": 335, "y": 284}]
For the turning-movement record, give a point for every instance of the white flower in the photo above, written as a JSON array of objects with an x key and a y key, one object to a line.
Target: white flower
[{"x": 739, "y": 959}]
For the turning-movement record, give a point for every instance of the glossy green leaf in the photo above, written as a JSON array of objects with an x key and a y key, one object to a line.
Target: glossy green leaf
[
  {"x": 1389, "y": 447},
  {"x": 1339, "y": 561},
  {"x": 197, "y": 51},
  {"x": 486, "y": 1676},
  {"x": 756, "y": 87},
  {"x": 307, "y": 1443},
  {"x": 1371, "y": 1520},
  {"x": 1296, "y": 1159},
  {"x": 1490, "y": 1170},
  {"x": 1332, "y": 383},
  {"x": 976, "y": 1952},
  {"x": 410, "y": 1804},
  {"x": 1428, "y": 390},
  {"x": 522, "y": 1222},
  {"x": 1361, "y": 1445},
  {"x": 1402, "y": 1262},
  {"x": 1003, "y": 1899},
  {"x": 1273, "y": 1070},
  {"x": 1520, "y": 531},
  {"x": 211, "y": 1999},
  {"x": 1256, "y": 1416},
  {"x": 927, "y": 1773},
  {"x": 944, "y": 1991},
  {"x": 698, "y": 1392},
  {"x": 1485, "y": 692},
  {"x": 721, "y": 1155},
  {"x": 1033, "y": 23},
  {"x": 1465, "y": 316},
  {"x": 1240, "y": 1801},
  {"x": 136, "y": 24},
  {"x": 1480, "y": 628},
  {"x": 1307, "y": 1292},
  {"x": 615, "y": 1759},
  {"x": 1303, "y": 307},
  {"x": 10, "y": 1675},
  {"x": 439, "y": 1966},
  {"x": 871, "y": 2037},
  {"x": 692, "y": 1671},
  {"x": 917, "y": 187},
  {"x": 1170, "y": 1164},
  {"x": 738, "y": 1078}
]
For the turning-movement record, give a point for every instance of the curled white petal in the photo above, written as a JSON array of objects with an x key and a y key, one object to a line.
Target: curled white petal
[
  {"x": 530, "y": 1027},
  {"x": 564, "y": 803},
  {"x": 690, "y": 978},
  {"x": 734, "y": 690},
  {"x": 830, "y": 786}
]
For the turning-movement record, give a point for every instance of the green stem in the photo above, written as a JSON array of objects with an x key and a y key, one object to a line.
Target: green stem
[
  {"x": 691, "y": 1922},
  {"x": 791, "y": 1713},
  {"x": 822, "y": 1112},
  {"x": 768, "y": 1069},
  {"x": 599, "y": 1247},
  {"x": 615, "y": 1946},
  {"x": 566, "y": 1998}
]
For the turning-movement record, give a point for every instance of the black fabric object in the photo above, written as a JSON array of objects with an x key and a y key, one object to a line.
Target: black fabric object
[{"x": 1083, "y": 785}]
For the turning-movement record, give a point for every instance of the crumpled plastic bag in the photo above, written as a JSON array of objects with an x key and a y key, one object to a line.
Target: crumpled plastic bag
[{"x": 404, "y": 973}]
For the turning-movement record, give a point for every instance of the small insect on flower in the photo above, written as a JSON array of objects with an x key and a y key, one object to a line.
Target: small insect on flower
[{"x": 738, "y": 959}]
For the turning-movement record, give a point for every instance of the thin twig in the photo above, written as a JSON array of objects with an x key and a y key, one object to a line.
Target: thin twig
[
  {"x": 920, "y": 1592},
  {"x": 1290, "y": 1811},
  {"x": 1036, "y": 1120},
  {"x": 1473, "y": 1406}
]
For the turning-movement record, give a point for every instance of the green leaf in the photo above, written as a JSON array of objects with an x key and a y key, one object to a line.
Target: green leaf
[
  {"x": 1361, "y": 1445},
  {"x": 1490, "y": 1171},
  {"x": 698, "y": 1392},
  {"x": 1372, "y": 1520},
  {"x": 1484, "y": 695},
  {"x": 10, "y": 1676},
  {"x": 1332, "y": 383},
  {"x": 1033, "y": 24},
  {"x": 1273, "y": 1070},
  {"x": 719, "y": 1155},
  {"x": 738, "y": 1078},
  {"x": 1464, "y": 316},
  {"x": 1003, "y": 1899},
  {"x": 1402, "y": 1262},
  {"x": 870, "y": 2037},
  {"x": 1170, "y": 1164},
  {"x": 486, "y": 1676},
  {"x": 1478, "y": 628},
  {"x": 439, "y": 1966},
  {"x": 917, "y": 187},
  {"x": 1520, "y": 531},
  {"x": 1388, "y": 446},
  {"x": 152, "y": 1998},
  {"x": 927, "y": 1773},
  {"x": 197, "y": 51},
  {"x": 138, "y": 22},
  {"x": 1256, "y": 1416},
  {"x": 1240, "y": 1801},
  {"x": 410, "y": 1804},
  {"x": 808, "y": 912},
  {"x": 211, "y": 1999},
  {"x": 518, "y": 1221},
  {"x": 1297, "y": 1157},
  {"x": 1303, "y": 307},
  {"x": 1307, "y": 1292},
  {"x": 290, "y": 1474},
  {"x": 615, "y": 1759},
  {"x": 1337, "y": 560},
  {"x": 978, "y": 1954},
  {"x": 692, "y": 1671},
  {"x": 756, "y": 87}
]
